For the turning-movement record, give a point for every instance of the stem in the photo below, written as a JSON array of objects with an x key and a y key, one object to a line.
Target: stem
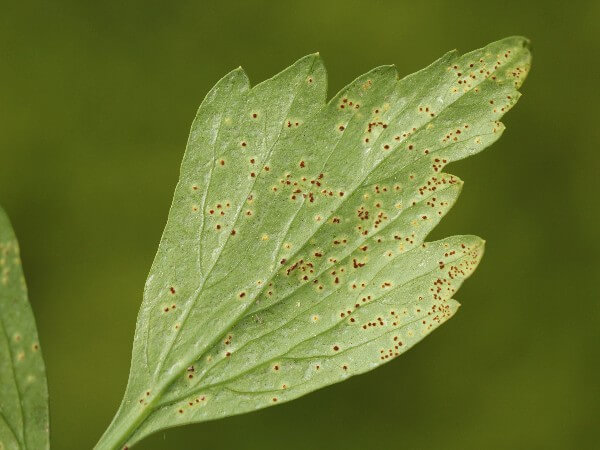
[{"x": 124, "y": 424}]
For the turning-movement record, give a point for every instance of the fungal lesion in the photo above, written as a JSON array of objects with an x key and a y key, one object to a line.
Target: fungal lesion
[
  {"x": 427, "y": 110},
  {"x": 169, "y": 307},
  {"x": 347, "y": 104},
  {"x": 393, "y": 351}
]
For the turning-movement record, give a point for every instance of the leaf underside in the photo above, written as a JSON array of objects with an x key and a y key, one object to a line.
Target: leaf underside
[
  {"x": 23, "y": 388},
  {"x": 294, "y": 254}
]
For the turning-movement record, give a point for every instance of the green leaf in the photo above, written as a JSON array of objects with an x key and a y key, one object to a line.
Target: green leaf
[
  {"x": 23, "y": 388},
  {"x": 293, "y": 255}
]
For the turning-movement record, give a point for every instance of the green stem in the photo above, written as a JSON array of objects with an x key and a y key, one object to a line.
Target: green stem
[{"x": 127, "y": 420}]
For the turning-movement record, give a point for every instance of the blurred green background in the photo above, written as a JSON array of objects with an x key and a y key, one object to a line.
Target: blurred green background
[{"x": 96, "y": 100}]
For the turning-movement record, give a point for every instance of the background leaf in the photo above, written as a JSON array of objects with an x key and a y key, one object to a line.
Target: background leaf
[
  {"x": 293, "y": 256},
  {"x": 23, "y": 389}
]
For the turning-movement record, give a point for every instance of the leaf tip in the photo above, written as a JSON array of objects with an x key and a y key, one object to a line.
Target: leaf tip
[
  {"x": 454, "y": 306},
  {"x": 5, "y": 225}
]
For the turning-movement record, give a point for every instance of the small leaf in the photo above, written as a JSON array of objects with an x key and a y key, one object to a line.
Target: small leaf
[
  {"x": 23, "y": 388},
  {"x": 293, "y": 255}
]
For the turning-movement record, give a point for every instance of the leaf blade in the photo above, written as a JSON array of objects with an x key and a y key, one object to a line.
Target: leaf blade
[
  {"x": 309, "y": 195},
  {"x": 23, "y": 388}
]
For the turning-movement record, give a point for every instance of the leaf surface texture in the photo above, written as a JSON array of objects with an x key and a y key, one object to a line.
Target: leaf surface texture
[{"x": 294, "y": 253}]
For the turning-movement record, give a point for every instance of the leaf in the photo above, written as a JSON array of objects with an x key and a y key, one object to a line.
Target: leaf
[
  {"x": 292, "y": 257},
  {"x": 23, "y": 388}
]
